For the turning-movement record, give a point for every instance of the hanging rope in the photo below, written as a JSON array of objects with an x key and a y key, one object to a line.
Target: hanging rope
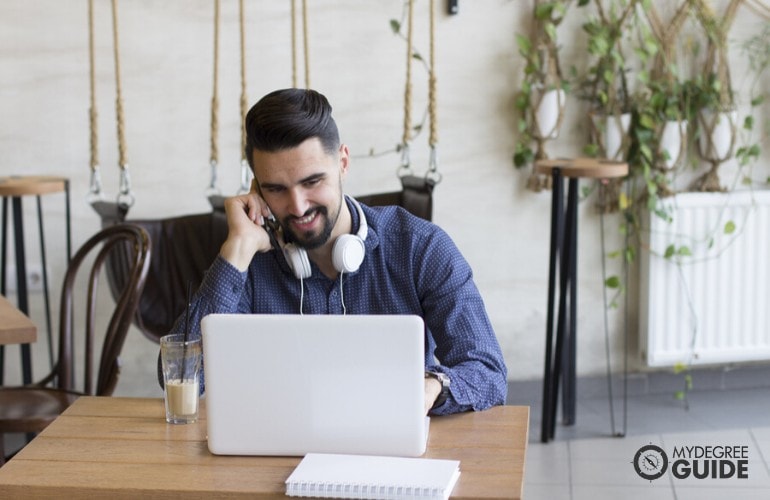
[
  {"x": 125, "y": 196},
  {"x": 294, "y": 43},
  {"x": 716, "y": 28},
  {"x": 433, "y": 137},
  {"x": 758, "y": 8},
  {"x": 214, "y": 156},
  {"x": 406, "y": 137},
  {"x": 666, "y": 36},
  {"x": 95, "y": 189},
  {"x": 245, "y": 171},
  {"x": 305, "y": 43},
  {"x": 405, "y": 169}
]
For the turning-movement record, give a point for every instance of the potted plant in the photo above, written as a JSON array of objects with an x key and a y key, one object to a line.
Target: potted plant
[
  {"x": 712, "y": 95},
  {"x": 542, "y": 97},
  {"x": 659, "y": 128},
  {"x": 605, "y": 87}
]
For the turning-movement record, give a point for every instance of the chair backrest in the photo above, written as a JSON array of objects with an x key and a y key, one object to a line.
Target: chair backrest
[
  {"x": 132, "y": 243},
  {"x": 183, "y": 248}
]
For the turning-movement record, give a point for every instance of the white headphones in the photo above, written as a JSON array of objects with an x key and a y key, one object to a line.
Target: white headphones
[{"x": 347, "y": 254}]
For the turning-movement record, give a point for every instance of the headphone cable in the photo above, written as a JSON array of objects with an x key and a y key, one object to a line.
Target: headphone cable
[
  {"x": 342, "y": 294},
  {"x": 301, "y": 295}
]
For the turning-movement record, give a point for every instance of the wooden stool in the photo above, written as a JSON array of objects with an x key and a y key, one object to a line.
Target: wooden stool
[
  {"x": 15, "y": 187},
  {"x": 561, "y": 363}
]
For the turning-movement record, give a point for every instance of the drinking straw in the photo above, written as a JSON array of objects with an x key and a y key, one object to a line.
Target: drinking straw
[
  {"x": 187, "y": 313},
  {"x": 186, "y": 331}
]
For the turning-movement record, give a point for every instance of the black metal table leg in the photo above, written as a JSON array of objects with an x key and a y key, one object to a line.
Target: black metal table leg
[
  {"x": 46, "y": 295},
  {"x": 560, "y": 362},
  {"x": 549, "y": 387},
  {"x": 570, "y": 337},
  {"x": 3, "y": 257},
  {"x": 21, "y": 284}
]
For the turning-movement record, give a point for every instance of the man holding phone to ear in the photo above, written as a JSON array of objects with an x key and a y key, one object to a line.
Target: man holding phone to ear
[{"x": 336, "y": 256}]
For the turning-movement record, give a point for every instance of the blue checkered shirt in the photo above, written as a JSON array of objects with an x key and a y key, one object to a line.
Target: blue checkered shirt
[{"x": 411, "y": 267}]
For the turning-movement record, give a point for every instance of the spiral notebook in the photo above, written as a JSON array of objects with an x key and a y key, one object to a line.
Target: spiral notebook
[{"x": 358, "y": 476}]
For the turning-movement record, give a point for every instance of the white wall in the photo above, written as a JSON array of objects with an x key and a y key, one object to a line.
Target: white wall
[{"x": 166, "y": 64}]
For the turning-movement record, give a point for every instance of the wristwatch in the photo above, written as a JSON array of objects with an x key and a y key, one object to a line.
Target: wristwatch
[{"x": 443, "y": 379}]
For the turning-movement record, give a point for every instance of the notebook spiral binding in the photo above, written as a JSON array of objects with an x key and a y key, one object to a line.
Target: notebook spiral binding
[{"x": 353, "y": 490}]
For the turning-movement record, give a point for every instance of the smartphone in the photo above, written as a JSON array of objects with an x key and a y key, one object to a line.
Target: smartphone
[{"x": 270, "y": 225}]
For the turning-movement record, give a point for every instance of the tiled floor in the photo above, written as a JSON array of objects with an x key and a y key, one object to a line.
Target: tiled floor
[{"x": 585, "y": 461}]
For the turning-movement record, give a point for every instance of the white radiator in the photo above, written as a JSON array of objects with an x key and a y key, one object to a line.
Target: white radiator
[{"x": 715, "y": 307}]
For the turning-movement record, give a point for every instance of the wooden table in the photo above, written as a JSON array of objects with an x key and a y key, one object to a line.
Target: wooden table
[
  {"x": 15, "y": 326},
  {"x": 123, "y": 448}
]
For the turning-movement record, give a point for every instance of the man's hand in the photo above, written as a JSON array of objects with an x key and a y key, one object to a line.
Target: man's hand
[
  {"x": 432, "y": 390},
  {"x": 246, "y": 236}
]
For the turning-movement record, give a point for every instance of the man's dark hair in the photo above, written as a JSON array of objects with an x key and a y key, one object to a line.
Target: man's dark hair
[{"x": 284, "y": 119}]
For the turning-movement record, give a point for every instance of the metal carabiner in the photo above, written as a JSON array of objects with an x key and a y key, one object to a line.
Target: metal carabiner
[
  {"x": 405, "y": 168},
  {"x": 126, "y": 197},
  {"x": 433, "y": 174},
  {"x": 213, "y": 189},
  {"x": 95, "y": 188},
  {"x": 246, "y": 176}
]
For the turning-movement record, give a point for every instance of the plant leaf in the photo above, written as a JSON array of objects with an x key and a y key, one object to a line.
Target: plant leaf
[
  {"x": 524, "y": 43},
  {"x": 630, "y": 255},
  {"x": 612, "y": 282},
  {"x": 623, "y": 201}
]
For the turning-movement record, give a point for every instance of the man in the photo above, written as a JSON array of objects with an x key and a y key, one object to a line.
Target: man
[{"x": 407, "y": 265}]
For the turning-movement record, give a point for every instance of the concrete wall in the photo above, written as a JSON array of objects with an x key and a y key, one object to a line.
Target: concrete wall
[{"x": 166, "y": 65}]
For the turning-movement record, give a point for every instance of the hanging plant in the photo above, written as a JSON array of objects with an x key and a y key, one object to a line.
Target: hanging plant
[
  {"x": 542, "y": 97},
  {"x": 757, "y": 51},
  {"x": 713, "y": 96},
  {"x": 605, "y": 87},
  {"x": 659, "y": 130}
]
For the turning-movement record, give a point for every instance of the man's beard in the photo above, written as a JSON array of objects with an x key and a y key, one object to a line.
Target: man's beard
[{"x": 308, "y": 240}]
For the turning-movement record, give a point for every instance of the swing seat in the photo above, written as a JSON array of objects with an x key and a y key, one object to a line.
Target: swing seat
[
  {"x": 416, "y": 196},
  {"x": 184, "y": 247}
]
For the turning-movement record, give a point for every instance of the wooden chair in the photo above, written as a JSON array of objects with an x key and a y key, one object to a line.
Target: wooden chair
[{"x": 30, "y": 408}]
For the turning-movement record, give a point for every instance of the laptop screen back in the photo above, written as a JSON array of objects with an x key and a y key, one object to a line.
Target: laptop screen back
[{"x": 291, "y": 384}]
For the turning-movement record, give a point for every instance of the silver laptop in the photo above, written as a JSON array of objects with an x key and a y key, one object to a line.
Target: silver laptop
[{"x": 291, "y": 384}]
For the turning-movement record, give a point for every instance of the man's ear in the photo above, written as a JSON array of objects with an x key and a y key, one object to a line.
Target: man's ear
[{"x": 344, "y": 159}]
